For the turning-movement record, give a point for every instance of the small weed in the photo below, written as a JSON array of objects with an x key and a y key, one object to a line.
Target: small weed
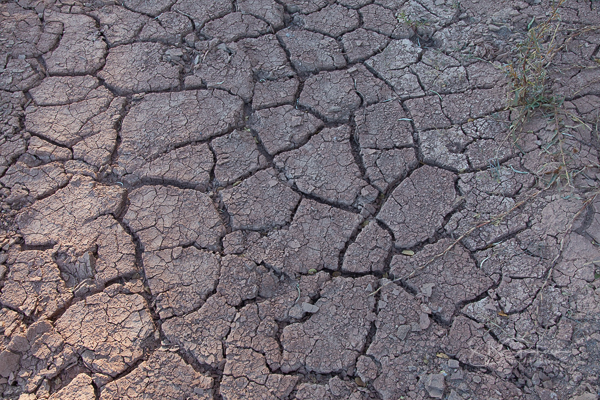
[
  {"x": 531, "y": 94},
  {"x": 528, "y": 73},
  {"x": 403, "y": 18}
]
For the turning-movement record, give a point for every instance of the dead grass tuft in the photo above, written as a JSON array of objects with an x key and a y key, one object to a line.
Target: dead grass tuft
[
  {"x": 531, "y": 96},
  {"x": 528, "y": 72}
]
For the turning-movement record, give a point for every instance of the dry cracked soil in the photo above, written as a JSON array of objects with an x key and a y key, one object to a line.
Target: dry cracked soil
[{"x": 296, "y": 199}]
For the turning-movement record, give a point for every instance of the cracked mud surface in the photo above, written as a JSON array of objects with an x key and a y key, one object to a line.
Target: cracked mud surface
[{"x": 294, "y": 199}]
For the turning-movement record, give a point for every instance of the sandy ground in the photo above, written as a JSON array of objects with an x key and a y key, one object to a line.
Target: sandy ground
[{"x": 296, "y": 199}]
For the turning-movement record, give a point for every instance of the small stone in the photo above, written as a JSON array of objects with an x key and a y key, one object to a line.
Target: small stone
[
  {"x": 424, "y": 321},
  {"x": 457, "y": 376},
  {"x": 296, "y": 312},
  {"x": 453, "y": 364},
  {"x": 585, "y": 396},
  {"x": 310, "y": 308},
  {"x": 9, "y": 362},
  {"x": 427, "y": 289},
  {"x": 545, "y": 394},
  {"x": 403, "y": 331},
  {"x": 434, "y": 384},
  {"x": 454, "y": 396},
  {"x": 18, "y": 344},
  {"x": 366, "y": 369}
]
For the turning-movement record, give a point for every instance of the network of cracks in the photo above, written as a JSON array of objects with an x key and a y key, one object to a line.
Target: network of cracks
[{"x": 294, "y": 199}]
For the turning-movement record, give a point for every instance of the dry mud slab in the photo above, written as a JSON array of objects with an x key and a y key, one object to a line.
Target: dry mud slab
[{"x": 296, "y": 199}]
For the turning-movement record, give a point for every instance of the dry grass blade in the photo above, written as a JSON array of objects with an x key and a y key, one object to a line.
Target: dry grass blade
[
  {"x": 529, "y": 72},
  {"x": 531, "y": 93},
  {"x": 561, "y": 246},
  {"x": 495, "y": 219}
]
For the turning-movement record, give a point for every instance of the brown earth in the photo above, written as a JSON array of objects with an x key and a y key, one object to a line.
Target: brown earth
[{"x": 296, "y": 199}]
